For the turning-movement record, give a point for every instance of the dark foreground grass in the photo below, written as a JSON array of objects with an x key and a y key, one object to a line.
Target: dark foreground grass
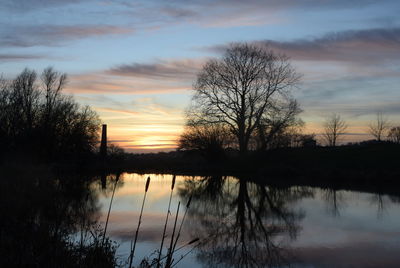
[{"x": 50, "y": 219}]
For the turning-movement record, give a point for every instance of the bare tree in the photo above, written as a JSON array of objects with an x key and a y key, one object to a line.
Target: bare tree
[
  {"x": 209, "y": 139},
  {"x": 394, "y": 134},
  {"x": 53, "y": 83},
  {"x": 280, "y": 126},
  {"x": 26, "y": 98},
  {"x": 239, "y": 89},
  {"x": 37, "y": 116},
  {"x": 334, "y": 127},
  {"x": 379, "y": 127}
]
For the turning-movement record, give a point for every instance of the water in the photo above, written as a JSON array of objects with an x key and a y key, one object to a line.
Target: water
[{"x": 243, "y": 224}]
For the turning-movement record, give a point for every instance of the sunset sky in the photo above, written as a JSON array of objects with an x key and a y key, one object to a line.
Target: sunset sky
[{"x": 134, "y": 62}]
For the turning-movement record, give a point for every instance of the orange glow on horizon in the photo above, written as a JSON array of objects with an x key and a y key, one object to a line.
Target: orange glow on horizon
[
  {"x": 165, "y": 138},
  {"x": 158, "y": 128},
  {"x": 143, "y": 126},
  {"x": 151, "y": 138}
]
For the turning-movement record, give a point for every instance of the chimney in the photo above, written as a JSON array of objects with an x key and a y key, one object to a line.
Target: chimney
[{"x": 103, "y": 145}]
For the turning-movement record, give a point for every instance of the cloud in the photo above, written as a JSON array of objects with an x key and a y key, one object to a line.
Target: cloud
[
  {"x": 285, "y": 4},
  {"x": 177, "y": 69},
  {"x": 232, "y": 13},
  {"x": 52, "y": 35},
  {"x": 354, "y": 49},
  {"x": 128, "y": 112},
  {"x": 148, "y": 15},
  {"x": 179, "y": 13},
  {"x": 120, "y": 141},
  {"x": 140, "y": 78},
  {"x": 353, "y": 108},
  {"x": 369, "y": 45},
  {"x": 152, "y": 146},
  {"x": 353, "y": 46},
  {"x": 27, "y": 6},
  {"x": 144, "y": 15},
  {"x": 101, "y": 83},
  {"x": 19, "y": 57}
]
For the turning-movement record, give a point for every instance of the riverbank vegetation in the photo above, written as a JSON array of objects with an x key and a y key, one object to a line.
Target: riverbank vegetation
[
  {"x": 50, "y": 220},
  {"x": 39, "y": 122}
]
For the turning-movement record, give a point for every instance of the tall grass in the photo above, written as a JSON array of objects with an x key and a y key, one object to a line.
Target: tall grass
[
  {"x": 187, "y": 253},
  {"x": 183, "y": 220},
  {"x": 133, "y": 247},
  {"x": 166, "y": 223},
  {"x": 170, "y": 249},
  {"x": 174, "y": 239},
  {"x": 109, "y": 208}
]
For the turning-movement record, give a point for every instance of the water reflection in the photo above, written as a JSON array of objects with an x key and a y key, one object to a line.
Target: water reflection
[
  {"x": 51, "y": 221},
  {"x": 334, "y": 200},
  {"x": 243, "y": 224},
  {"x": 239, "y": 223}
]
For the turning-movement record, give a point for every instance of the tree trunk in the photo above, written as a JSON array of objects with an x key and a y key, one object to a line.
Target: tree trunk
[{"x": 242, "y": 145}]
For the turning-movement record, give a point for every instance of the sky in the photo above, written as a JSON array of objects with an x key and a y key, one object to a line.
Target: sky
[{"x": 134, "y": 62}]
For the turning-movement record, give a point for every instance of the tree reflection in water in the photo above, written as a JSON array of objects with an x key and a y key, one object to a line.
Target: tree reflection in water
[
  {"x": 51, "y": 221},
  {"x": 243, "y": 224},
  {"x": 334, "y": 200}
]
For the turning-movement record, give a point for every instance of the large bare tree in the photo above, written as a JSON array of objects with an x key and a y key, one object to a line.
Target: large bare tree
[
  {"x": 239, "y": 89},
  {"x": 379, "y": 127},
  {"x": 334, "y": 127}
]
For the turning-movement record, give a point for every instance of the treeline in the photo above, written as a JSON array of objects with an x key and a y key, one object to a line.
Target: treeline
[
  {"x": 242, "y": 103},
  {"x": 36, "y": 118},
  {"x": 215, "y": 141},
  {"x": 381, "y": 130}
]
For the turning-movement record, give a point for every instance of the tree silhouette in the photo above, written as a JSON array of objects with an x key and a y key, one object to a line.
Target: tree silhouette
[
  {"x": 379, "y": 127},
  {"x": 37, "y": 117},
  {"x": 394, "y": 134},
  {"x": 280, "y": 127},
  {"x": 241, "y": 89},
  {"x": 334, "y": 127},
  {"x": 209, "y": 139}
]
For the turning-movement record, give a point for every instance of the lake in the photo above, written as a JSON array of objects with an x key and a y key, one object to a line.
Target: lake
[{"x": 243, "y": 224}]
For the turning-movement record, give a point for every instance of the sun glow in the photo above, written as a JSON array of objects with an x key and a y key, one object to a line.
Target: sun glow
[{"x": 145, "y": 138}]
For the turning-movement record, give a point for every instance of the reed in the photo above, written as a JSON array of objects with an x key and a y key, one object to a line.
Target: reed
[
  {"x": 176, "y": 250},
  {"x": 166, "y": 222},
  {"x": 170, "y": 249},
  {"x": 187, "y": 253},
  {"x": 183, "y": 220},
  {"x": 109, "y": 208},
  {"x": 140, "y": 221}
]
